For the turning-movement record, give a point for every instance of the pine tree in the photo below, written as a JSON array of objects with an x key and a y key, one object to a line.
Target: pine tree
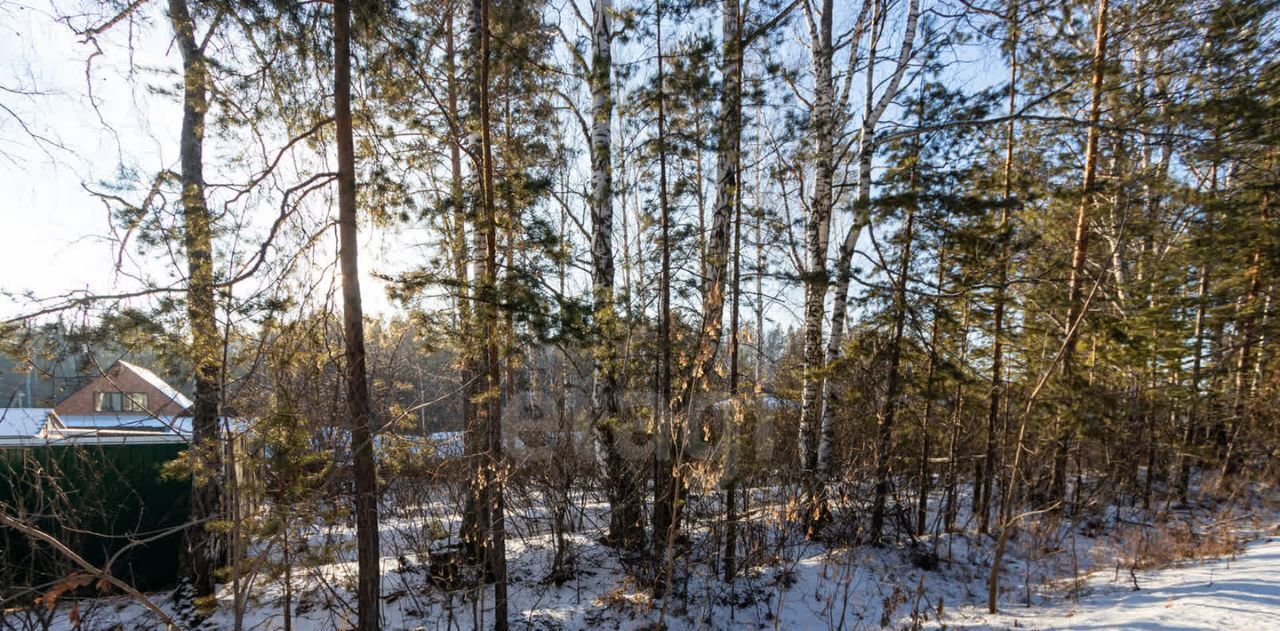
[
  {"x": 203, "y": 551},
  {"x": 369, "y": 562}
]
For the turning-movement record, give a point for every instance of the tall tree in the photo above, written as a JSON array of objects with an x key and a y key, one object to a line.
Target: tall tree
[
  {"x": 491, "y": 467},
  {"x": 666, "y": 432},
  {"x": 1080, "y": 248},
  {"x": 816, "y": 241},
  {"x": 983, "y": 488},
  {"x": 359, "y": 412},
  {"x": 728, "y": 147},
  {"x": 626, "y": 528},
  {"x": 461, "y": 251},
  {"x": 874, "y": 109},
  {"x": 203, "y": 549},
  {"x": 823, "y": 458}
]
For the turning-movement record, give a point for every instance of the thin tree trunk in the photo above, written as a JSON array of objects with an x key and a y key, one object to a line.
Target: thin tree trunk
[
  {"x": 1197, "y": 362},
  {"x": 625, "y": 228},
  {"x": 1150, "y": 426},
  {"x": 816, "y": 240},
  {"x": 1248, "y": 335},
  {"x": 727, "y": 159},
  {"x": 1260, "y": 362},
  {"x": 684, "y": 406},
  {"x": 458, "y": 241},
  {"x": 874, "y": 109},
  {"x": 957, "y": 406},
  {"x": 983, "y": 490},
  {"x": 926, "y": 420},
  {"x": 665, "y": 432},
  {"x": 1007, "y": 525},
  {"x": 884, "y": 428},
  {"x": 286, "y": 607},
  {"x": 699, "y": 186},
  {"x": 368, "y": 597},
  {"x": 469, "y": 531},
  {"x": 1079, "y": 252},
  {"x": 625, "y": 521},
  {"x": 493, "y": 468},
  {"x": 760, "y": 270},
  {"x": 731, "y": 464}
]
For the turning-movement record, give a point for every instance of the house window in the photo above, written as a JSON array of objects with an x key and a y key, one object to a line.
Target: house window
[{"x": 120, "y": 402}]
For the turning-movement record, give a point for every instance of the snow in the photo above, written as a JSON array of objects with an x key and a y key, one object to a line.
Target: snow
[
  {"x": 22, "y": 422},
  {"x": 1240, "y": 592},
  {"x": 139, "y": 422},
  {"x": 170, "y": 393},
  {"x": 797, "y": 584}
]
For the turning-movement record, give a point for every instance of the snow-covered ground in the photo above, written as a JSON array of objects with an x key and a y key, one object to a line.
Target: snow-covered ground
[
  {"x": 1240, "y": 592},
  {"x": 937, "y": 580}
]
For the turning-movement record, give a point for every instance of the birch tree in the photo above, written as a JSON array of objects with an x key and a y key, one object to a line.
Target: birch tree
[
  {"x": 818, "y": 394},
  {"x": 625, "y": 525},
  {"x": 816, "y": 241}
]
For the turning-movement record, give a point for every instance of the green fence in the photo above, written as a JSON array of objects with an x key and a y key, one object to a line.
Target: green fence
[{"x": 102, "y": 500}]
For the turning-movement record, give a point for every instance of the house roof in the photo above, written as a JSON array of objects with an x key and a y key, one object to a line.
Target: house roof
[
  {"x": 135, "y": 422},
  {"x": 22, "y": 422},
  {"x": 156, "y": 382},
  {"x": 90, "y": 438},
  {"x": 23, "y": 427}
]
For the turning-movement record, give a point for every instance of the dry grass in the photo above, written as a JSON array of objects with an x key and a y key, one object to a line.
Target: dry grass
[
  {"x": 1142, "y": 547},
  {"x": 627, "y": 596}
]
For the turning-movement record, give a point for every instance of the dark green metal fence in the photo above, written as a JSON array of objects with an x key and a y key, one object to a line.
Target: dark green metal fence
[{"x": 107, "y": 502}]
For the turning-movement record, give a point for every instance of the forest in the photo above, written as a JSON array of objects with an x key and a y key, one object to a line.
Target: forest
[{"x": 561, "y": 314}]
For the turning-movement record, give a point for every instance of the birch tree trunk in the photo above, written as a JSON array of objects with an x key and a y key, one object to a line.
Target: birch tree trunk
[
  {"x": 873, "y": 111},
  {"x": 469, "y": 359},
  {"x": 625, "y": 525},
  {"x": 816, "y": 241}
]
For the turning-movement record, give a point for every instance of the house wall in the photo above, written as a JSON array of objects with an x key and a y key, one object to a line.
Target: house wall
[{"x": 117, "y": 379}]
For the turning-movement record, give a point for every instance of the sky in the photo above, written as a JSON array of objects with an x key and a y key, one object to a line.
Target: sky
[{"x": 54, "y": 235}]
